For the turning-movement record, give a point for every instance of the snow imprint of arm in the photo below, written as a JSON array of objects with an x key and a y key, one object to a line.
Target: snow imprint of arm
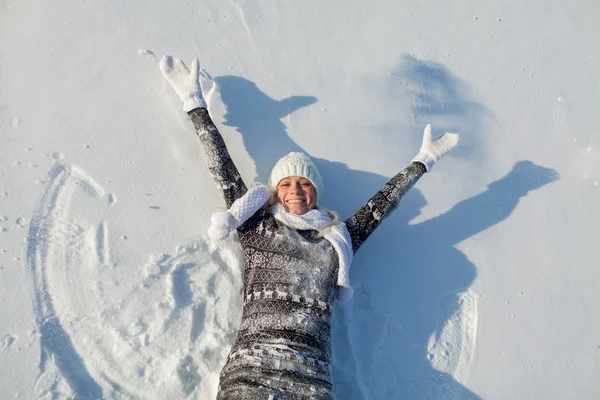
[
  {"x": 46, "y": 245},
  {"x": 451, "y": 348},
  {"x": 102, "y": 243},
  {"x": 163, "y": 334}
]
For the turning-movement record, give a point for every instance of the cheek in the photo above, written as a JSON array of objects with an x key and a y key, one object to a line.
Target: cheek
[
  {"x": 280, "y": 196},
  {"x": 313, "y": 197}
]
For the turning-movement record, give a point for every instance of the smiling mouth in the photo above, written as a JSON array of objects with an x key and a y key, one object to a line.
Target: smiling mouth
[{"x": 296, "y": 201}]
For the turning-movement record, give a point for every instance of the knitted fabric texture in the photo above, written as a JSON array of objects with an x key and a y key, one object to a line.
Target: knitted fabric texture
[
  {"x": 433, "y": 150},
  {"x": 283, "y": 345},
  {"x": 296, "y": 164},
  {"x": 337, "y": 235},
  {"x": 318, "y": 220},
  {"x": 222, "y": 222},
  {"x": 184, "y": 82}
]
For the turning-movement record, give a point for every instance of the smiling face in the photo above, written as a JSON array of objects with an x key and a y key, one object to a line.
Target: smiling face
[{"x": 296, "y": 194}]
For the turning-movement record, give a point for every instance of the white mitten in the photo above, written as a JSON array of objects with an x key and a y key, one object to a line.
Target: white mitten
[
  {"x": 222, "y": 222},
  {"x": 432, "y": 150},
  {"x": 245, "y": 207},
  {"x": 185, "y": 82}
]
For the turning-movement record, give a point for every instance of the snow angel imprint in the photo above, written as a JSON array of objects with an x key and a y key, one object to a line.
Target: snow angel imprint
[{"x": 297, "y": 256}]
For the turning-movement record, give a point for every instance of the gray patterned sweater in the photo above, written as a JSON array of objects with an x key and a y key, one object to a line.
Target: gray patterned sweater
[{"x": 283, "y": 346}]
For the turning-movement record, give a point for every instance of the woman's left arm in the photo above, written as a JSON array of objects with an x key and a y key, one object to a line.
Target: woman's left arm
[
  {"x": 386, "y": 200},
  {"x": 382, "y": 204}
]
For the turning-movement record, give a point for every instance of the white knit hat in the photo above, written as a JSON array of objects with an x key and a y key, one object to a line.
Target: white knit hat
[{"x": 296, "y": 164}]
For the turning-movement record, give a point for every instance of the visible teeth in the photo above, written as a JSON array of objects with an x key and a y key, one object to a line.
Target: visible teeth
[{"x": 295, "y": 201}]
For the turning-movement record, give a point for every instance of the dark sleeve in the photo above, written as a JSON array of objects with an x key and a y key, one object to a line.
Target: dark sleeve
[
  {"x": 221, "y": 167},
  {"x": 386, "y": 200}
]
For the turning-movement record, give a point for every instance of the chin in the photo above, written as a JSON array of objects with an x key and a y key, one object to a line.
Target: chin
[{"x": 298, "y": 212}]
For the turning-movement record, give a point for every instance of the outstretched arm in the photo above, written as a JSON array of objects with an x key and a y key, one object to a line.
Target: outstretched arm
[
  {"x": 186, "y": 84},
  {"x": 386, "y": 200},
  {"x": 221, "y": 167}
]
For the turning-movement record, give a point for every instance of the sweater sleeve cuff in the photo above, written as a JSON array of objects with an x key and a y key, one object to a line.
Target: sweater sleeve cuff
[{"x": 425, "y": 159}]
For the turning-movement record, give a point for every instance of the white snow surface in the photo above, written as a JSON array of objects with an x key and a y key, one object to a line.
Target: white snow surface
[{"x": 483, "y": 284}]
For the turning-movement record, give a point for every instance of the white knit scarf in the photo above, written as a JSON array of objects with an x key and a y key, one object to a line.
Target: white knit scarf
[
  {"x": 316, "y": 219},
  {"x": 337, "y": 235}
]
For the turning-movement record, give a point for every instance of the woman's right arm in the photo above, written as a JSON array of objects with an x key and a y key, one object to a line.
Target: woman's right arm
[
  {"x": 186, "y": 84},
  {"x": 221, "y": 167}
]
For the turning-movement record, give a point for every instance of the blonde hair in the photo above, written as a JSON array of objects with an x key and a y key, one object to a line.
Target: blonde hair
[{"x": 335, "y": 220}]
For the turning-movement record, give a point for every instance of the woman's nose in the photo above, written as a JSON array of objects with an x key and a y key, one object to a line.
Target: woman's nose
[{"x": 297, "y": 188}]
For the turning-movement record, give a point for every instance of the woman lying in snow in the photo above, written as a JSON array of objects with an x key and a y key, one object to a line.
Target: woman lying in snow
[{"x": 297, "y": 256}]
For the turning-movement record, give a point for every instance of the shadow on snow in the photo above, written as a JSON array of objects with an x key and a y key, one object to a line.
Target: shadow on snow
[{"x": 406, "y": 270}]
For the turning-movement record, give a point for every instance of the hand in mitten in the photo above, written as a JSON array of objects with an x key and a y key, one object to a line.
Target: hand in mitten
[
  {"x": 222, "y": 222},
  {"x": 432, "y": 150},
  {"x": 185, "y": 82}
]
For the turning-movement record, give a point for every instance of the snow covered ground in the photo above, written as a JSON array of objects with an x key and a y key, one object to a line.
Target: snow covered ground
[{"x": 483, "y": 284}]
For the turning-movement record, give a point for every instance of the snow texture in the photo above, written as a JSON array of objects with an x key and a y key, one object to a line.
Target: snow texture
[{"x": 482, "y": 284}]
